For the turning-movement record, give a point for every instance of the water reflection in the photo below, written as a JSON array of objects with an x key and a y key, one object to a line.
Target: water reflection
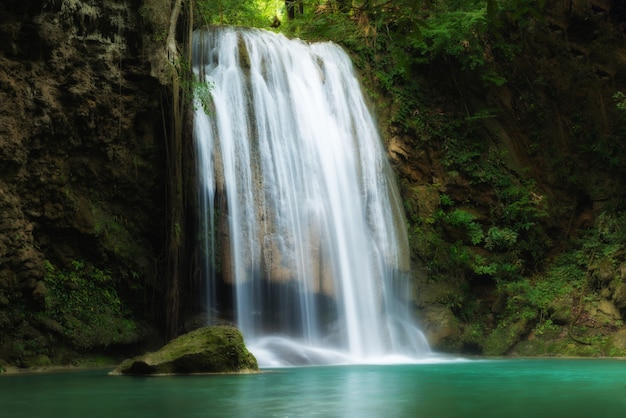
[{"x": 510, "y": 388}]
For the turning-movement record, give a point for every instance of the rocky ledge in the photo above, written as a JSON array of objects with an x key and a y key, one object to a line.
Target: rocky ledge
[{"x": 214, "y": 349}]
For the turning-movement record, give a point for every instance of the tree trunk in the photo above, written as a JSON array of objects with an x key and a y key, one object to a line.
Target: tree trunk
[
  {"x": 174, "y": 187},
  {"x": 290, "y": 5}
]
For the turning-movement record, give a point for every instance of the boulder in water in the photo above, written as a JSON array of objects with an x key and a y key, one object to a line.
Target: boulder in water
[{"x": 214, "y": 349}]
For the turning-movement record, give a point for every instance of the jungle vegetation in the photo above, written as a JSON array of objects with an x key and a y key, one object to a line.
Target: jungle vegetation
[
  {"x": 494, "y": 223},
  {"x": 510, "y": 115}
]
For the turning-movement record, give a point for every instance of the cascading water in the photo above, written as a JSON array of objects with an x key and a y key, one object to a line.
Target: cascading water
[{"x": 302, "y": 219}]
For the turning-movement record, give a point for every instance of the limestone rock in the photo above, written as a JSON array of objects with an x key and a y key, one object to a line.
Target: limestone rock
[
  {"x": 79, "y": 132},
  {"x": 619, "y": 340},
  {"x": 216, "y": 349},
  {"x": 561, "y": 310},
  {"x": 608, "y": 308},
  {"x": 438, "y": 323},
  {"x": 7, "y": 368},
  {"x": 619, "y": 295}
]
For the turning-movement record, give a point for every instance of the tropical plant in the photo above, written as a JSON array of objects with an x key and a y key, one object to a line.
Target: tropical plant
[
  {"x": 85, "y": 304},
  {"x": 253, "y": 13}
]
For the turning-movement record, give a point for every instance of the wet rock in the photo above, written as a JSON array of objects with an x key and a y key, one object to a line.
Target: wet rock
[
  {"x": 438, "y": 323},
  {"x": 217, "y": 349},
  {"x": 561, "y": 309},
  {"x": 40, "y": 291},
  {"x": 79, "y": 133}
]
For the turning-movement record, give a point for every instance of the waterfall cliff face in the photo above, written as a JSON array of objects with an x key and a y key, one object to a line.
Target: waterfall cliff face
[
  {"x": 80, "y": 134},
  {"x": 302, "y": 219}
]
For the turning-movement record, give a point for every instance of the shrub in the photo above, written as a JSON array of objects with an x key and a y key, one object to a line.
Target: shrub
[{"x": 84, "y": 302}]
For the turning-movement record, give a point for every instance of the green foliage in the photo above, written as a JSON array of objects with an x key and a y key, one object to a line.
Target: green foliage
[
  {"x": 510, "y": 243},
  {"x": 603, "y": 247},
  {"x": 499, "y": 267},
  {"x": 600, "y": 142},
  {"x": 538, "y": 298},
  {"x": 456, "y": 33},
  {"x": 500, "y": 238},
  {"x": 506, "y": 334},
  {"x": 603, "y": 149},
  {"x": 466, "y": 221},
  {"x": 609, "y": 149},
  {"x": 196, "y": 92},
  {"x": 620, "y": 101},
  {"x": 563, "y": 278},
  {"x": 545, "y": 327},
  {"x": 470, "y": 33},
  {"x": 252, "y": 13},
  {"x": 115, "y": 232},
  {"x": 201, "y": 92},
  {"x": 518, "y": 208},
  {"x": 450, "y": 239},
  {"x": 84, "y": 302},
  {"x": 445, "y": 200}
]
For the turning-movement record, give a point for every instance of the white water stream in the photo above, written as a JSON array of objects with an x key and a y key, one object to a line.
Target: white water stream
[{"x": 302, "y": 217}]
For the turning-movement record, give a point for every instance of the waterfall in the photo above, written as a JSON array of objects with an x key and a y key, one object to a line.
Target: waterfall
[{"x": 303, "y": 226}]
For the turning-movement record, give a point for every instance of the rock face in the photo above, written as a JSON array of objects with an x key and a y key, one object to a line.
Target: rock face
[
  {"x": 555, "y": 122},
  {"x": 80, "y": 134},
  {"x": 218, "y": 349},
  {"x": 81, "y": 151}
]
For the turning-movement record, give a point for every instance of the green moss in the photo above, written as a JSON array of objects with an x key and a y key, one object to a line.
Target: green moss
[
  {"x": 94, "y": 361},
  {"x": 115, "y": 234},
  {"x": 474, "y": 334},
  {"x": 216, "y": 349},
  {"x": 38, "y": 361},
  {"x": 557, "y": 342},
  {"x": 531, "y": 348},
  {"x": 504, "y": 337}
]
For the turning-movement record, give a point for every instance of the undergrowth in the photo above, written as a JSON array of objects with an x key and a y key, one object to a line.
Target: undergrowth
[{"x": 83, "y": 301}]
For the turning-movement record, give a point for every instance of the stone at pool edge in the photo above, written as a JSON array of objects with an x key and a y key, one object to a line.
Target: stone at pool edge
[{"x": 213, "y": 349}]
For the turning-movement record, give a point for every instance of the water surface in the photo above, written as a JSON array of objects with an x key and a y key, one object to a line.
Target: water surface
[{"x": 506, "y": 388}]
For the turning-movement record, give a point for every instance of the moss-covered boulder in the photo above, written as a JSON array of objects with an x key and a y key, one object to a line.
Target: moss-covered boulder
[
  {"x": 505, "y": 336},
  {"x": 215, "y": 349}
]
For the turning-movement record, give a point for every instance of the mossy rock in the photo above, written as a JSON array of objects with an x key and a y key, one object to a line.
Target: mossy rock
[
  {"x": 5, "y": 367},
  {"x": 503, "y": 338},
  {"x": 215, "y": 349},
  {"x": 38, "y": 361}
]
